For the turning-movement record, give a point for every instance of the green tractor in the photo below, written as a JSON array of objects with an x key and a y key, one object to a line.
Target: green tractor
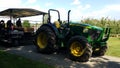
[{"x": 80, "y": 40}]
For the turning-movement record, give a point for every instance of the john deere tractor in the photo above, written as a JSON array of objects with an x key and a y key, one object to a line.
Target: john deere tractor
[{"x": 80, "y": 40}]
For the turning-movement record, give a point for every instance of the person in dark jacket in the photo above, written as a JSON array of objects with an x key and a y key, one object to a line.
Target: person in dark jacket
[
  {"x": 9, "y": 24},
  {"x": 2, "y": 27},
  {"x": 18, "y": 23},
  {"x": 2, "y": 24}
]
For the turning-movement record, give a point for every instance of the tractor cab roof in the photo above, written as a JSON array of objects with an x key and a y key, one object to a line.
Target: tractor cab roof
[{"x": 21, "y": 12}]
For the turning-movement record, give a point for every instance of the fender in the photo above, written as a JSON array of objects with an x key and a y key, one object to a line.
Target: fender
[{"x": 55, "y": 30}]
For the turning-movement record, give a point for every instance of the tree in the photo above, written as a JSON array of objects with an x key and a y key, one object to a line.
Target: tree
[
  {"x": 105, "y": 22},
  {"x": 26, "y": 23}
]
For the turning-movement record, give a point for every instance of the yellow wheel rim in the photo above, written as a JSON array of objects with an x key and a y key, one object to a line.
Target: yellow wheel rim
[
  {"x": 97, "y": 49},
  {"x": 42, "y": 40},
  {"x": 76, "y": 49}
]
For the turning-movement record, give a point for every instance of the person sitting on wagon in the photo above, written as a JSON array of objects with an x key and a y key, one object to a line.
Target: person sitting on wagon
[
  {"x": 18, "y": 23},
  {"x": 2, "y": 24},
  {"x": 9, "y": 25},
  {"x": 2, "y": 27}
]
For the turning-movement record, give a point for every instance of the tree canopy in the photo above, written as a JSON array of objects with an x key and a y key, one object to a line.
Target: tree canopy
[{"x": 105, "y": 22}]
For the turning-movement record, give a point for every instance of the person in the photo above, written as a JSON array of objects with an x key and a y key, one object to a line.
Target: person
[
  {"x": 18, "y": 23},
  {"x": 2, "y": 24},
  {"x": 2, "y": 27},
  {"x": 57, "y": 24},
  {"x": 9, "y": 24}
]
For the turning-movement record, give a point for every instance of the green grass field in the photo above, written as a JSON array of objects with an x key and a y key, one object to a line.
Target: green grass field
[
  {"x": 113, "y": 46},
  {"x": 13, "y": 61}
]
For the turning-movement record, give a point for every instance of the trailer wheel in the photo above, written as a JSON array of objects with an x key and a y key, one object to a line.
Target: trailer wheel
[
  {"x": 79, "y": 49},
  {"x": 45, "y": 40},
  {"x": 15, "y": 42}
]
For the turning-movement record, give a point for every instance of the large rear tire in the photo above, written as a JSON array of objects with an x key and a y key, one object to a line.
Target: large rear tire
[
  {"x": 79, "y": 49},
  {"x": 45, "y": 40}
]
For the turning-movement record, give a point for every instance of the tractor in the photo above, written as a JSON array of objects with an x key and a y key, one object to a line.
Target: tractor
[{"x": 80, "y": 41}]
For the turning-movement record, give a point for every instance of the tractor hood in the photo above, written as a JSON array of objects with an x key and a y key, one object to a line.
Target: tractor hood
[
  {"x": 93, "y": 33},
  {"x": 86, "y": 26}
]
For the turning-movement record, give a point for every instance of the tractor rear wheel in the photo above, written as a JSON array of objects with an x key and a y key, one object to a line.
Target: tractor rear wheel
[
  {"x": 79, "y": 49},
  {"x": 45, "y": 40},
  {"x": 100, "y": 51}
]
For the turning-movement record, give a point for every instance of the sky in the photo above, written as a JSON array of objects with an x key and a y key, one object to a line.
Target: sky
[{"x": 80, "y": 9}]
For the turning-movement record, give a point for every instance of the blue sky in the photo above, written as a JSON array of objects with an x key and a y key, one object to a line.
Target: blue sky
[{"x": 79, "y": 8}]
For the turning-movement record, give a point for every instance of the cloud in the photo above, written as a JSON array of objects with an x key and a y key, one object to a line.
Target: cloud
[
  {"x": 48, "y": 4},
  {"x": 87, "y": 6},
  {"x": 88, "y": 11},
  {"x": 4, "y": 4},
  {"x": 110, "y": 11},
  {"x": 113, "y": 7},
  {"x": 81, "y": 7},
  {"x": 80, "y": 11},
  {"x": 7, "y": 4},
  {"x": 75, "y": 2},
  {"x": 31, "y": 1}
]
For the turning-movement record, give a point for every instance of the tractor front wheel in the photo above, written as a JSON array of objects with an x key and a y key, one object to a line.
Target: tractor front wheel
[
  {"x": 100, "y": 51},
  {"x": 79, "y": 49}
]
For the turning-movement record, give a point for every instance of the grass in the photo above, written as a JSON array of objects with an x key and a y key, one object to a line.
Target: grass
[
  {"x": 113, "y": 46},
  {"x": 13, "y": 61}
]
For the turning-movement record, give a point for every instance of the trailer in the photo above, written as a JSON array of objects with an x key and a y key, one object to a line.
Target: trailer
[{"x": 13, "y": 34}]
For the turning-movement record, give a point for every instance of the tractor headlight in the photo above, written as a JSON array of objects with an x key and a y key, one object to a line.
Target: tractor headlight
[{"x": 85, "y": 30}]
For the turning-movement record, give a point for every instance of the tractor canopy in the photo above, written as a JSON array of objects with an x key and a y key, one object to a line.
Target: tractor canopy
[{"x": 21, "y": 12}]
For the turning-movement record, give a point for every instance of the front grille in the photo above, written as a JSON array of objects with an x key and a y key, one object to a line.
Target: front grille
[{"x": 94, "y": 34}]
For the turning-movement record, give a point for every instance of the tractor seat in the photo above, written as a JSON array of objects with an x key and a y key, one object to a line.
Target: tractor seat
[{"x": 57, "y": 24}]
